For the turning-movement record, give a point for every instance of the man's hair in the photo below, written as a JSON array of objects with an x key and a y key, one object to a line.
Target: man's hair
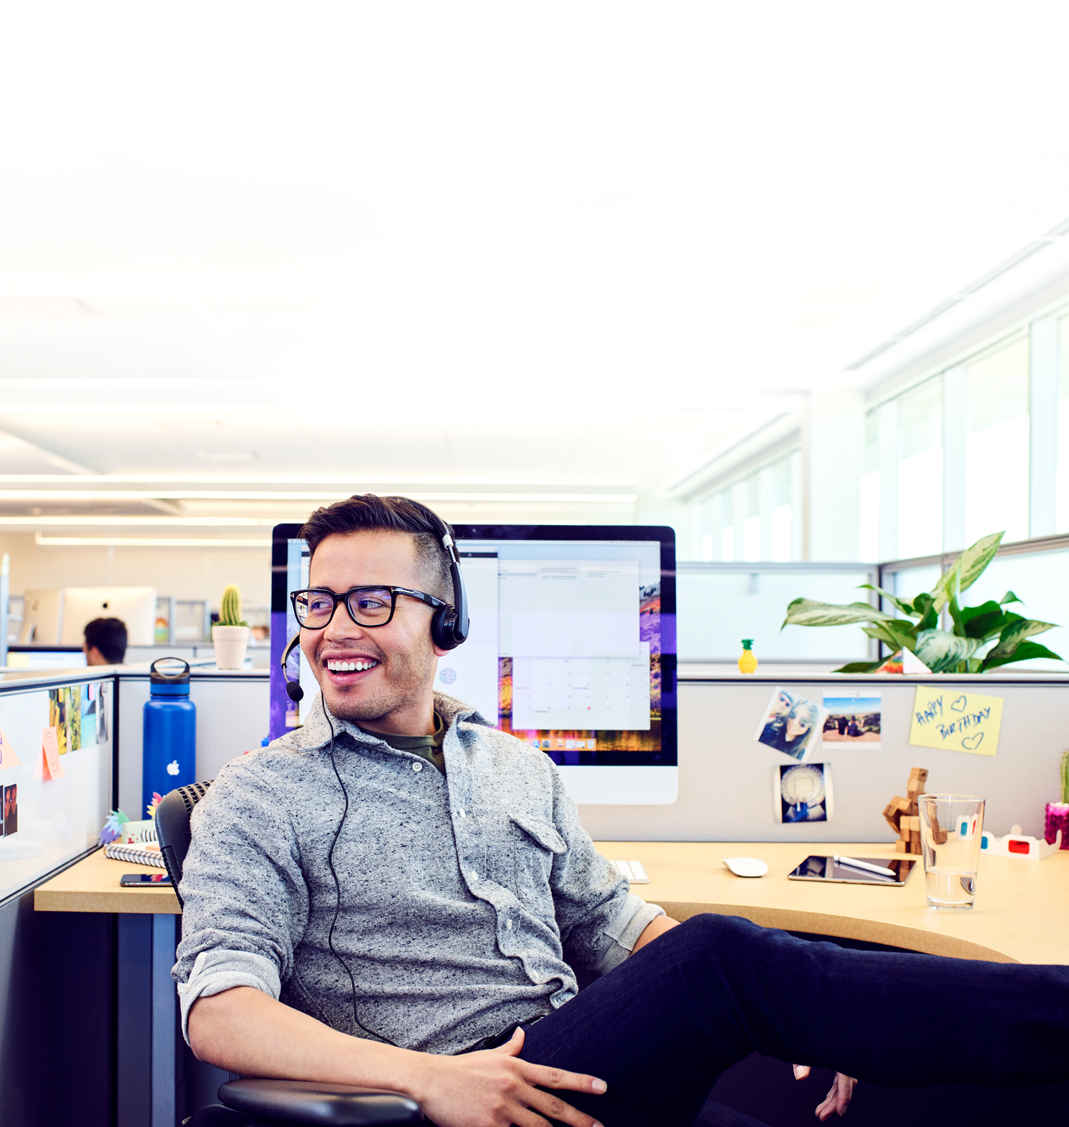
[
  {"x": 368, "y": 512},
  {"x": 109, "y": 636}
]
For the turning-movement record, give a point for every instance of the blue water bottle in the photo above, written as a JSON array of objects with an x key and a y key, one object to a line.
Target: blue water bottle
[{"x": 169, "y": 750}]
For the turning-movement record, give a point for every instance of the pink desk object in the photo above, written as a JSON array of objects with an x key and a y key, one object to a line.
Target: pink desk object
[{"x": 1016, "y": 844}]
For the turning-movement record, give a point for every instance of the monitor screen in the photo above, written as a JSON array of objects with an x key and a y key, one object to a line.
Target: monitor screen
[
  {"x": 136, "y": 606},
  {"x": 571, "y": 648}
]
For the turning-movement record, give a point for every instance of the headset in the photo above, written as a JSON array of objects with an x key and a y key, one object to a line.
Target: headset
[{"x": 449, "y": 626}]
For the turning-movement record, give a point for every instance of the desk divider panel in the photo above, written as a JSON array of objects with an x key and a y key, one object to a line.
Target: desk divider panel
[{"x": 726, "y": 777}]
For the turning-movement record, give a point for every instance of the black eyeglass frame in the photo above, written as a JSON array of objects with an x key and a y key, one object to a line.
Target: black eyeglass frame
[{"x": 422, "y": 596}]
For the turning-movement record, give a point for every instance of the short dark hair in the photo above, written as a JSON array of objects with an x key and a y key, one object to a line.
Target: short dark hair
[
  {"x": 367, "y": 512},
  {"x": 109, "y": 636}
]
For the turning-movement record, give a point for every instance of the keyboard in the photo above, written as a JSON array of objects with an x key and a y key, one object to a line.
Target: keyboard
[{"x": 632, "y": 872}]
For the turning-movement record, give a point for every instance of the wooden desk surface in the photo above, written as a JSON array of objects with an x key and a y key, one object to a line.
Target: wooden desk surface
[{"x": 1021, "y": 913}]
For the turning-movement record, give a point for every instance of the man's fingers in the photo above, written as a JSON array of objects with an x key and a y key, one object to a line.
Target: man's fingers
[
  {"x": 838, "y": 1097},
  {"x": 553, "y": 1107},
  {"x": 801, "y": 1071},
  {"x": 512, "y": 1047},
  {"x": 546, "y": 1077}
]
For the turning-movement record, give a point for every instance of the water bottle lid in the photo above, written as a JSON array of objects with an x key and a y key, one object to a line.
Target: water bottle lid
[{"x": 178, "y": 677}]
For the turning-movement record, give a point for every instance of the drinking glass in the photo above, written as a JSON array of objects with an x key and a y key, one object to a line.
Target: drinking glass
[{"x": 951, "y": 829}]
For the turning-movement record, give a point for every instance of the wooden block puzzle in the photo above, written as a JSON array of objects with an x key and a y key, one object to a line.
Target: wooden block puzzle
[{"x": 903, "y": 816}]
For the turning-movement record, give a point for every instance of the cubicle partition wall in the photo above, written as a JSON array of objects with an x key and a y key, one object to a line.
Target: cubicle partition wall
[{"x": 726, "y": 777}]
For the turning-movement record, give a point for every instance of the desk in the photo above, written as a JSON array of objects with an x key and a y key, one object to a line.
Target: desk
[{"x": 1021, "y": 915}]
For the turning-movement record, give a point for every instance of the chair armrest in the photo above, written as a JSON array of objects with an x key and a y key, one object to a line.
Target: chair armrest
[{"x": 301, "y": 1101}]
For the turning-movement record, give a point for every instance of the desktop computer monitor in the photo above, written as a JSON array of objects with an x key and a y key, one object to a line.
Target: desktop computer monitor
[
  {"x": 42, "y": 617},
  {"x": 136, "y": 606},
  {"x": 571, "y": 648}
]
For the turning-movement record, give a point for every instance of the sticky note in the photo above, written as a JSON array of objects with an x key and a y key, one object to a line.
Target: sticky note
[
  {"x": 8, "y": 758},
  {"x": 955, "y": 720},
  {"x": 50, "y": 746}
]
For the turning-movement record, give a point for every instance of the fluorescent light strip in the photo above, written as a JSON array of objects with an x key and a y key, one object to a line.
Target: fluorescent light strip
[
  {"x": 211, "y": 410},
  {"x": 145, "y": 542},
  {"x": 288, "y": 495},
  {"x": 138, "y": 522},
  {"x": 306, "y": 481}
]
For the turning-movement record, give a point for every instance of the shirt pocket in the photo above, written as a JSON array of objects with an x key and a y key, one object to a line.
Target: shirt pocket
[{"x": 530, "y": 846}]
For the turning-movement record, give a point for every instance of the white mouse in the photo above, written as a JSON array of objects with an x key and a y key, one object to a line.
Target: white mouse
[{"x": 746, "y": 866}]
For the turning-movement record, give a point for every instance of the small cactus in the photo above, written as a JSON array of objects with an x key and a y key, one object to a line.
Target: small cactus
[
  {"x": 1065, "y": 775},
  {"x": 230, "y": 608}
]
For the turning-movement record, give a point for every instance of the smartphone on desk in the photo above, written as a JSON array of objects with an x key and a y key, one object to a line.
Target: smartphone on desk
[{"x": 145, "y": 880}]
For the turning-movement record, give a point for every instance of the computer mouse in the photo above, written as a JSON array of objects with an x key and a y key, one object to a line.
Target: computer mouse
[{"x": 746, "y": 866}]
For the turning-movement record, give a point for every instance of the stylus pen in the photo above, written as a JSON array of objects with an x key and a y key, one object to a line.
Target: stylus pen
[{"x": 864, "y": 865}]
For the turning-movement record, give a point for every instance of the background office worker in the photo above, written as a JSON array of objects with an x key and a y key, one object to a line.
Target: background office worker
[
  {"x": 337, "y": 929},
  {"x": 105, "y": 641}
]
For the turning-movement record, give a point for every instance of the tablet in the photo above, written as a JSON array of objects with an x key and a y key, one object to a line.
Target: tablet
[{"x": 829, "y": 870}]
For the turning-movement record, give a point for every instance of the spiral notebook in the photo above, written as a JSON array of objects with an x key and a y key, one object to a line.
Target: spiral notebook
[{"x": 135, "y": 854}]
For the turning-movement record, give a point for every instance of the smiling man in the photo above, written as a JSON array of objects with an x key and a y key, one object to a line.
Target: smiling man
[{"x": 396, "y": 894}]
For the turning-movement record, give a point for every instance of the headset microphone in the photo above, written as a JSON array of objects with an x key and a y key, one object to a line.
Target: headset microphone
[{"x": 293, "y": 688}]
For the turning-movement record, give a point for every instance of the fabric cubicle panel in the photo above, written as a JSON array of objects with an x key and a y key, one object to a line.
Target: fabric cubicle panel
[{"x": 725, "y": 777}]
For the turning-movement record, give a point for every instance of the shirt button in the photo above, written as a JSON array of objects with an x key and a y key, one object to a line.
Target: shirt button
[
  {"x": 417, "y": 767},
  {"x": 508, "y": 924},
  {"x": 474, "y": 877},
  {"x": 461, "y": 813}
]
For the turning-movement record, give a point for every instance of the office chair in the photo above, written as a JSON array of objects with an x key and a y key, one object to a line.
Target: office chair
[{"x": 249, "y": 1103}]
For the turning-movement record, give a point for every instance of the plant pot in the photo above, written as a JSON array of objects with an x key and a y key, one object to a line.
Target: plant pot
[
  {"x": 230, "y": 645},
  {"x": 1057, "y": 819}
]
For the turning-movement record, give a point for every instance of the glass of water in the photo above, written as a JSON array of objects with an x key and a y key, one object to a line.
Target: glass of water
[{"x": 951, "y": 829}]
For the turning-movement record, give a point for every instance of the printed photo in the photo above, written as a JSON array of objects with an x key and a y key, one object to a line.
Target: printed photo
[
  {"x": 74, "y": 718},
  {"x": 789, "y": 724},
  {"x": 852, "y": 719},
  {"x": 802, "y": 793},
  {"x": 11, "y": 809},
  {"x": 90, "y": 696},
  {"x": 57, "y": 716}
]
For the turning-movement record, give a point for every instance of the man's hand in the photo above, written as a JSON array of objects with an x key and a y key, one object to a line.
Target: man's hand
[
  {"x": 838, "y": 1097},
  {"x": 494, "y": 1088}
]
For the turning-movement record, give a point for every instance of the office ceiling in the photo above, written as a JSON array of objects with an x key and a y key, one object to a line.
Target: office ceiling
[{"x": 523, "y": 260}]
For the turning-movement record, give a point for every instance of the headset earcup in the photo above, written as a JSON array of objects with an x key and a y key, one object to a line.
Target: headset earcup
[{"x": 442, "y": 632}]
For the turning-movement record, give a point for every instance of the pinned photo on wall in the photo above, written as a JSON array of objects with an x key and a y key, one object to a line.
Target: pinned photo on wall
[
  {"x": 74, "y": 718},
  {"x": 790, "y": 724},
  {"x": 853, "y": 719},
  {"x": 802, "y": 793},
  {"x": 90, "y": 696},
  {"x": 11, "y": 809},
  {"x": 57, "y": 717},
  {"x": 102, "y": 714}
]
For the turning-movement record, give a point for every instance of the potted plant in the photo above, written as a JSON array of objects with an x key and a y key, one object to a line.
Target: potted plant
[
  {"x": 1058, "y": 812},
  {"x": 956, "y": 650},
  {"x": 230, "y": 634}
]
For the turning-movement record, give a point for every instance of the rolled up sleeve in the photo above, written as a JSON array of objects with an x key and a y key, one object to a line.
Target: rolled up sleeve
[{"x": 245, "y": 898}]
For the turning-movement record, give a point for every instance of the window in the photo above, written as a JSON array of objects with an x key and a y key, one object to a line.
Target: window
[
  {"x": 920, "y": 470},
  {"x": 1062, "y": 494},
  {"x": 996, "y": 445},
  {"x": 869, "y": 524}
]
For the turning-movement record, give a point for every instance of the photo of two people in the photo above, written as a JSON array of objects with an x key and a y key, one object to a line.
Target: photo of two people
[{"x": 789, "y": 723}]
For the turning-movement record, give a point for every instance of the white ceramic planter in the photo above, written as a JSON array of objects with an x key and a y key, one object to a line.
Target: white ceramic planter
[{"x": 230, "y": 645}]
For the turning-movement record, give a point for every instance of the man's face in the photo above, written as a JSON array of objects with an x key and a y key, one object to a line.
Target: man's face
[{"x": 395, "y": 694}]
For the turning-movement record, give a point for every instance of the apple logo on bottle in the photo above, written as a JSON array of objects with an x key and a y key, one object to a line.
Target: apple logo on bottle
[{"x": 172, "y": 767}]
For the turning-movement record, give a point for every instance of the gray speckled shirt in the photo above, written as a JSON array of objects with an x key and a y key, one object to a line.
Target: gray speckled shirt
[{"x": 466, "y": 898}]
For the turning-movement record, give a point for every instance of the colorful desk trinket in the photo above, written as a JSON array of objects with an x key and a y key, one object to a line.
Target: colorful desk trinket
[
  {"x": 1057, "y": 819},
  {"x": 1017, "y": 844}
]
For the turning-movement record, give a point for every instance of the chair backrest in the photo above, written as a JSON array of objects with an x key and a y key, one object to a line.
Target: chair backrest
[{"x": 172, "y": 827}]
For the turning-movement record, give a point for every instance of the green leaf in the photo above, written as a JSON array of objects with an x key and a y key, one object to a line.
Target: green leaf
[
  {"x": 1025, "y": 651},
  {"x": 1009, "y": 597},
  {"x": 955, "y": 616},
  {"x": 984, "y": 621},
  {"x": 860, "y": 666},
  {"x": 966, "y": 569},
  {"x": 1015, "y": 633},
  {"x": 925, "y": 606},
  {"x": 940, "y": 650},
  {"x": 809, "y": 612},
  {"x": 903, "y": 606}
]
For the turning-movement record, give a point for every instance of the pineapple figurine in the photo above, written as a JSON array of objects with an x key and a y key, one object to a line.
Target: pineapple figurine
[{"x": 747, "y": 660}]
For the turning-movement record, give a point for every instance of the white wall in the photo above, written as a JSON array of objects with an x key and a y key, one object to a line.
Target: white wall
[{"x": 185, "y": 573}]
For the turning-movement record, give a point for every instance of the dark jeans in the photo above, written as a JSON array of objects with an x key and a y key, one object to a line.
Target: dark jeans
[{"x": 660, "y": 1028}]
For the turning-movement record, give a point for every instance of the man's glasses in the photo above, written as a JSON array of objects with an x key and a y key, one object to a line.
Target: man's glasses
[{"x": 367, "y": 606}]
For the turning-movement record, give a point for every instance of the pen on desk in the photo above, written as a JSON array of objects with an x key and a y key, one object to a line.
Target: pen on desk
[{"x": 851, "y": 863}]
